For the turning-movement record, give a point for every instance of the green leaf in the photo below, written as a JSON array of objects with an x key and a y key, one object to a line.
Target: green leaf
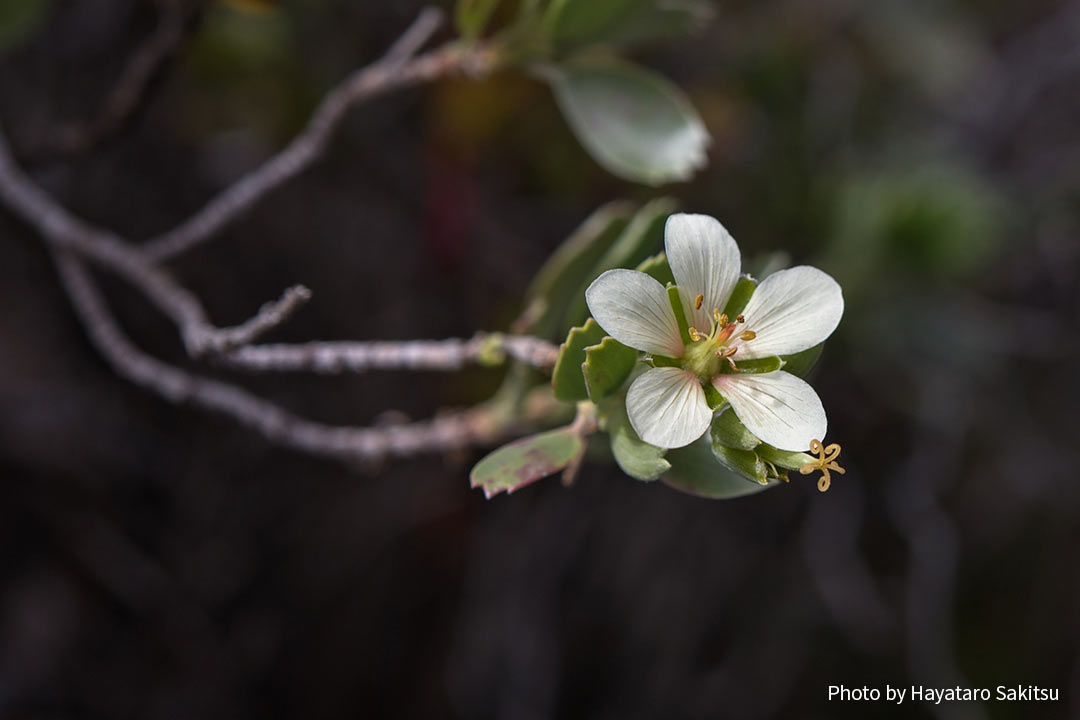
[
  {"x": 644, "y": 234},
  {"x": 578, "y": 22},
  {"x": 657, "y": 266},
  {"x": 675, "y": 300},
  {"x": 471, "y": 16},
  {"x": 634, "y": 123},
  {"x": 745, "y": 463},
  {"x": 744, "y": 288},
  {"x": 695, "y": 470},
  {"x": 567, "y": 271},
  {"x": 606, "y": 367},
  {"x": 634, "y": 456},
  {"x": 525, "y": 461},
  {"x": 567, "y": 379},
  {"x": 801, "y": 363},
  {"x": 729, "y": 431}
]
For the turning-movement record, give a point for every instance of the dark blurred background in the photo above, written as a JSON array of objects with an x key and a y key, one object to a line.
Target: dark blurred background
[{"x": 158, "y": 562}]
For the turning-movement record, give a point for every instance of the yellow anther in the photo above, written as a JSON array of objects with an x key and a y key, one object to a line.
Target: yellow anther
[
  {"x": 748, "y": 335},
  {"x": 721, "y": 319},
  {"x": 825, "y": 461},
  {"x": 739, "y": 318},
  {"x": 698, "y": 300},
  {"x": 695, "y": 335}
]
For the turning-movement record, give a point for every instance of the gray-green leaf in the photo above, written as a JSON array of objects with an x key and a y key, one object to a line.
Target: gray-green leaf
[
  {"x": 634, "y": 123},
  {"x": 525, "y": 461}
]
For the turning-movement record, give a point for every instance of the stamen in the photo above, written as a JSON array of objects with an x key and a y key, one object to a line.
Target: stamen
[
  {"x": 825, "y": 461},
  {"x": 739, "y": 318},
  {"x": 732, "y": 363},
  {"x": 698, "y": 300},
  {"x": 695, "y": 335},
  {"x": 748, "y": 335},
  {"x": 721, "y": 319}
]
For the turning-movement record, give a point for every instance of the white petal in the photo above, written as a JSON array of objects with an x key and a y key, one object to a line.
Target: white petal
[
  {"x": 633, "y": 308},
  {"x": 704, "y": 259},
  {"x": 778, "y": 407},
  {"x": 791, "y": 310},
  {"x": 667, "y": 407}
]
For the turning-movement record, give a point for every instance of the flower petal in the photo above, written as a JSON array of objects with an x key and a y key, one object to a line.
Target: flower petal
[
  {"x": 780, "y": 408},
  {"x": 633, "y": 308},
  {"x": 704, "y": 259},
  {"x": 791, "y": 310},
  {"x": 667, "y": 407}
]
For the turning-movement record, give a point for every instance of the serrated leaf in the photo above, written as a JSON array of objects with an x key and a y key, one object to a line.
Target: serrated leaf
[
  {"x": 578, "y": 22},
  {"x": 525, "y": 461},
  {"x": 643, "y": 235},
  {"x": 695, "y": 470},
  {"x": 471, "y": 16},
  {"x": 634, "y": 456},
  {"x": 729, "y": 431},
  {"x": 567, "y": 380},
  {"x": 634, "y": 123},
  {"x": 801, "y": 363},
  {"x": 606, "y": 367},
  {"x": 568, "y": 269},
  {"x": 657, "y": 267},
  {"x": 740, "y": 295}
]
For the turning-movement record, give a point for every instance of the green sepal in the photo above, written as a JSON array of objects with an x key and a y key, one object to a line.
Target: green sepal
[
  {"x": 784, "y": 458},
  {"x": 606, "y": 367},
  {"x": 696, "y": 470},
  {"x": 728, "y": 430},
  {"x": 658, "y": 268},
  {"x": 567, "y": 380},
  {"x": 740, "y": 295},
  {"x": 755, "y": 366},
  {"x": 566, "y": 273},
  {"x": 664, "y": 361},
  {"x": 675, "y": 300},
  {"x": 643, "y": 234},
  {"x": 745, "y": 463},
  {"x": 634, "y": 456},
  {"x": 713, "y": 396},
  {"x": 525, "y": 461},
  {"x": 801, "y": 363}
]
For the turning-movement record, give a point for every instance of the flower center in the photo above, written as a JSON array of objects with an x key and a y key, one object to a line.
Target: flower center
[{"x": 709, "y": 351}]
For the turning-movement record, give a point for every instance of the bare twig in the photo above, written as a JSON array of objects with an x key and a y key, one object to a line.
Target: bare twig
[
  {"x": 270, "y": 315},
  {"x": 65, "y": 231},
  {"x": 131, "y": 86},
  {"x": 74, "y": 240},
  {"x": 337, "y": 357},
  {"x": 441, "y": 434},
  {"x": 394, "y": 70}
]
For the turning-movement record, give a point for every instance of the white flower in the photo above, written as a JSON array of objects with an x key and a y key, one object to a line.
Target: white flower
[{"x": 791, "y": 310}]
